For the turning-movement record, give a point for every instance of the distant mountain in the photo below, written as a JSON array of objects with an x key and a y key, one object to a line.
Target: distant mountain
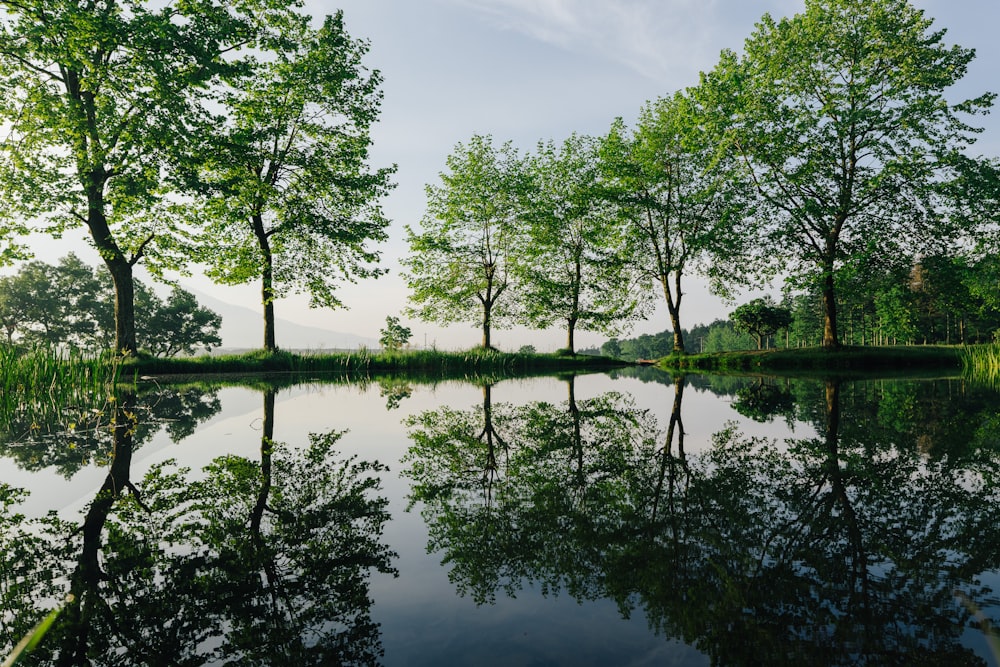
[{"x": 244, "y": 328}]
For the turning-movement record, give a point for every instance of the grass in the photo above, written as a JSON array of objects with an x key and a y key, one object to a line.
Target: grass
[
  {"x": 426, "y": 363},
  {"x": 846, "y": 360},
  {"x": 43, "y": 386},
  {"x": 32, "y": 639},
  {"x": 983, "y": 363}
]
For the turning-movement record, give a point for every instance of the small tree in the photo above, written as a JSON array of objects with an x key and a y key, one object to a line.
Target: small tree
[
  {"x": 761, "y": 318},
  {"x": 178, "y": 325},
  {"x": 394, "y": 336}
]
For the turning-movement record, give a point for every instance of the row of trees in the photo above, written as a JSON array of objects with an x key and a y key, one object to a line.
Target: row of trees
[
  {"x": 826, "y": 152},
  {"x": 70, "y": 304},
  {"x": 523, "y": 239},
  {"x": 235, "y": 134}
]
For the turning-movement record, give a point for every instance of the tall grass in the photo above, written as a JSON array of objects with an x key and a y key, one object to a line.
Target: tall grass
[
  {"x": 45, "y": 388},
  {"x": 982, "y": 363}
]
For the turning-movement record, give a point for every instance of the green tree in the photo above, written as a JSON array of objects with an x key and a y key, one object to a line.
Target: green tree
[
  {"x": 67, "y": 304},
  {"x": 674, "y": 186},
  {"x": 394, "y": 336},
  {"x": 460, "y": 262},
  {"x": 291, "y": 200},
  {"x": 50, "y": 304},
  {"x": 840, "y": 117},
  {"x": 94, "y": 96},
  {"x": 761, "y": 318},
  {"x": 575, "y": 266},
  {"x": 612, "y": 348},
  {"x": 179, "y": 325}
]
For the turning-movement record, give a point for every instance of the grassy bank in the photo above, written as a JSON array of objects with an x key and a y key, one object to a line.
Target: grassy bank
[
  {"x": 813, "y": 360},
  {"x": 424, "y": 362}
]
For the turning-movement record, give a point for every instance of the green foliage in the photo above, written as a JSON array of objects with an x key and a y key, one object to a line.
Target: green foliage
[
  {"x": 761, "y": 318},
  {"x": 70, "y": 304},
  {"x": 575, "y": 266},
  {"x": 394, "y": 336},
  {"x": 95, "y": 99},
  {"x": 679, "y": 192},
  {"x": 459, "y": 266},
  {"x": 841, "y": 116},
  {"x": 177, "y": 325},
  {"x": 286, "y": 194}
]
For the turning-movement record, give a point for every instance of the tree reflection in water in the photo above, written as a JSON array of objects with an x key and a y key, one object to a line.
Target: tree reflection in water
[
  {"x": 249, "y": 563},
  {"x": 841, "y": 549}
]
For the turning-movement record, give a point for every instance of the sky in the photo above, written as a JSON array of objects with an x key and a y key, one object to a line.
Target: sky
[{"x": 531, "y": 70}]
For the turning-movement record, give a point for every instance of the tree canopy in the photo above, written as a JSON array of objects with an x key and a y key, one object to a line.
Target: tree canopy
[
  {"x": 841, "y": 118},
  {"x": 95, "y": 96},
  {"x": 288, "y": 196}
]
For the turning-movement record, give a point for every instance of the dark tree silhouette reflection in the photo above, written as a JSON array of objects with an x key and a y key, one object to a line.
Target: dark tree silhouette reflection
[
  {"x": 249, "y": 562},
  {"x": 846, "y": 548}
]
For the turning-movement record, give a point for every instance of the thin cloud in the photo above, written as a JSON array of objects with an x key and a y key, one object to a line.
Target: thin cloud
[{"x": 664, "y": 41}]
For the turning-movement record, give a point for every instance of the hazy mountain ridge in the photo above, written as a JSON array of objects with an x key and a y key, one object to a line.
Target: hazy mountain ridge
[{"x": 243, "y": 328}]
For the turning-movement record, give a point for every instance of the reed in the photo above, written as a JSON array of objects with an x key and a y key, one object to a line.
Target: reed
[
  {"x": 981, "y": 363},
  {"x": 53, "y": 387}
]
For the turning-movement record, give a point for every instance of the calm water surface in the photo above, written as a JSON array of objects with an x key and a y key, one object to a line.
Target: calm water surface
[{"x": 596, "y": 520}]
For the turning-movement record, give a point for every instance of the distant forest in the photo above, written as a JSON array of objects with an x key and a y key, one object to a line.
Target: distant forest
[{"x": 941, "y": 300}]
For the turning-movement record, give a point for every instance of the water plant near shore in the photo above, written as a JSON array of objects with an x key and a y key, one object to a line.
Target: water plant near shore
[
  {"x": 53, "y": 387},
  {"x": 982, "y": 362}
]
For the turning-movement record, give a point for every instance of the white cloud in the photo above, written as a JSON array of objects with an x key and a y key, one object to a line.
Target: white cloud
[{"x": 659, "y": 39}]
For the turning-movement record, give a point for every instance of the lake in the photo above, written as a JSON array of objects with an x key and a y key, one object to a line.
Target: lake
[{"x": 604, "y": 519}]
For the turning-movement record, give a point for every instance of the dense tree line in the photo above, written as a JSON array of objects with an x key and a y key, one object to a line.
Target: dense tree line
[
  {"x": 70, "y": 304},
  {"x": 939, "y": 299},
  {"x": 827, "y": 154}
]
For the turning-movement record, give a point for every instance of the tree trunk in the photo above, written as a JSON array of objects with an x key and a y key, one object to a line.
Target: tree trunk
[
  {"x": 121, "y": 275},
  {"x": 267, "y": 281},
  {"x": 487, "y": 312},
  {"x": 830, "y": 341},
  {"x": 674, "y": 309},
  {"x": 570, "y": 329},
  {"x": 120, "y": 269}
]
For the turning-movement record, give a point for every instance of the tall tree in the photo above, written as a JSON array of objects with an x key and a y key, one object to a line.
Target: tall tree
[
  {"x": 673, "y": 182},
  {"x": 460, "y": 262},
  {"x": 93, "y": 94},
  {"x": 575, "y": 267},
  {"x": 841, "y": 118},
  {"x": 291, "y": 199}
]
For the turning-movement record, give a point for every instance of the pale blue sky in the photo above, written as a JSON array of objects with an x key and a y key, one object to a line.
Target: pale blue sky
[{"x": 526, "y": 70}]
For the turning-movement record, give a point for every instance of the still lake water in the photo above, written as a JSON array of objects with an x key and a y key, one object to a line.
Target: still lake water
[{"x": 621, "y": 519}]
